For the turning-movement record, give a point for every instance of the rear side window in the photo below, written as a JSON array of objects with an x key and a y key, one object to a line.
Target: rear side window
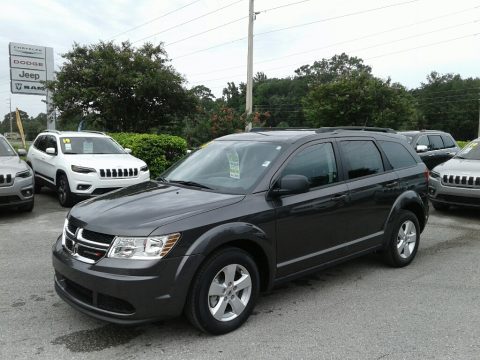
[
  {"x": 448, "y": 141},
  {"x": 362, "y": 158},
  {"x": 436, "y": 142},
  {"x": 316, "y": 162},
  {"x": 41, "y": 143},
  {"x": 397, "y": 154}
]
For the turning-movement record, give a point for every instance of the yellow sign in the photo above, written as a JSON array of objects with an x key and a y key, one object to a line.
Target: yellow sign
[{"x": 20, "y": 128}]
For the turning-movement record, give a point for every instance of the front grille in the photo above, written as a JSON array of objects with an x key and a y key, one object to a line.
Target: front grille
[
  {"x": 459, "y": 199},
  {"x": 119, "y": 173},
  {"x": 97, "y": 237},
  {"x": 9, "y": 199},
  {"x": 461, "y": 181},
  {"x": 6, "y": 179},
  {"x": 99, "y": 300},
  {"x": 85, "y": 249}
]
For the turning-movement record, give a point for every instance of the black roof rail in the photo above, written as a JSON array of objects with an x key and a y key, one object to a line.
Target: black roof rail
[
  {"x": 261, "y": 129},
  {"x": 52, "y": 131},
  {"x": 357, "y": 128}
]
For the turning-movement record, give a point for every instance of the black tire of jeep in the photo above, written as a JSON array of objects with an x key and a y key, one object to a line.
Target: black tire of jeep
[
  {"x": 440, "y": 206},
  {"x": 65, "y": 196},
  {"x": 197, "y": 308},
  {"x": 391, "y": 253}
]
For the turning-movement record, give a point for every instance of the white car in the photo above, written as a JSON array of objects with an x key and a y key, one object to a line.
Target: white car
[{"x": 81, "y": 164}]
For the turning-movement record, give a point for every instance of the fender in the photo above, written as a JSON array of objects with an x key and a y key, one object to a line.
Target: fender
[
  {"x": 244, "y": 235},
  {"x": 408, "y": 200}
]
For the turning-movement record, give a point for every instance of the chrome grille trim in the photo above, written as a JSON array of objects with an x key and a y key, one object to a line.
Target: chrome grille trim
[
  {"x": 464, "y": 181},
  {"x": 121, "y": 173}
]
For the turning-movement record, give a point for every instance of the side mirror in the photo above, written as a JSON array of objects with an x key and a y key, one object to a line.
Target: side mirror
[
  {"x": 421, "y": 148},
  {"x": 22, "y": 152},
  {"x": 51, "y": 151},
  {"x": 128, "y": 151},
  {"x": 291, "y": 184}
]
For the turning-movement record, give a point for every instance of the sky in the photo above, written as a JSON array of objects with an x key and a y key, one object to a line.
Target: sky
[{"x": 206, "y": 39}]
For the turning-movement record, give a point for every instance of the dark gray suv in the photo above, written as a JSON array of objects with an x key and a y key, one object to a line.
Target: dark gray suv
[
  {"x": 244, "y": 213},
  {"x": 434, "y": 147}
]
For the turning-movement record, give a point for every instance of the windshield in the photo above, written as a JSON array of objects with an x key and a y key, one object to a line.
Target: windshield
[
  {"x": 471, "y": 151},
  {"x": 6, "y": 149},
  {"x": 226, "y": 166},
  {"x": 90, "y": 145}
]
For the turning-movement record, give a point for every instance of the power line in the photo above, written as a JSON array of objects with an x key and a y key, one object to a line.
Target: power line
[
  {"x": 188, "y": 21},
  {"x": 236, "y": 20},
  {"x": 345, "y": 41},
  {"x": 153, "y": 20},
  {"x": 295, "y": 26},
  {"x": 355, "y": 50},
  {"x": 373, "y": 57}
]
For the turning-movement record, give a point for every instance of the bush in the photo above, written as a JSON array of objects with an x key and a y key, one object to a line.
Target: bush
[
  {"x": 462, "y": 143},
  {"x": 158, "y": 151}
]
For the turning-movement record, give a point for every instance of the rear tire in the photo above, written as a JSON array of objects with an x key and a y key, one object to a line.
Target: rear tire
[
  {"x": 404, "y": 240},
  {"x": 223, "y": 292},
  {"x": 65, "y": 196}
]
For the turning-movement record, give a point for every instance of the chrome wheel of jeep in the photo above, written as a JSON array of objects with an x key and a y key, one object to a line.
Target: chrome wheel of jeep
[
  {"x": 406, "y": 239},
  {"x": 229, "y": 292}
]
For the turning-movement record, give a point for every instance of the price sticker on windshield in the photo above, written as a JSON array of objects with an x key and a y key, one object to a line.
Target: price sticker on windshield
[
  {"x": 234, "y": 164},
  {"x": 66, "y": 141}
]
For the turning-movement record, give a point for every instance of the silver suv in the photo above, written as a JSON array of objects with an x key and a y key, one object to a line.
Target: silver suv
[
  {"x": 457, "y": 181},
  {"x": 16, "y": 178}
]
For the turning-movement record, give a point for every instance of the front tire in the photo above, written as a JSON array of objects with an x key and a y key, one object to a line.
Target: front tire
[
  {"x": 404, "y": 240},
  {"x": 224, "y": 292},
  {"x": 65, "y": 196}
]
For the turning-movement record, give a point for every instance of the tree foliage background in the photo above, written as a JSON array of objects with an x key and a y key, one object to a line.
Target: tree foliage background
[{"x": 122, "y": 88}]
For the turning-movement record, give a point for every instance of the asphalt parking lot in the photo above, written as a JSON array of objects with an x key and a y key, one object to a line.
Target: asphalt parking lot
[{"x": 358, "y": 310}]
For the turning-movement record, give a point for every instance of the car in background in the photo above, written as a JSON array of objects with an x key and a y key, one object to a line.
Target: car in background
[
  {"x": 81, "y": 164},
  {"x": 241, "y": 214},
  {"x": 16, "y": 178},
  {"x": 434, "y": 147},
  {"x": 457, "y": 181}
]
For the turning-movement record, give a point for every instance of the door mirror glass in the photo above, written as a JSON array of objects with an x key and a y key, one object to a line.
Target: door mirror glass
[
  {"x": 292, "y": 184},
  {"x": 422, "y": 148},
  {"x": 51, "y": 151}
]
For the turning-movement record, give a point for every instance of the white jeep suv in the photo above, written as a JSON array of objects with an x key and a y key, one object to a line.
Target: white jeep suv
[{"x": 81, "y": 164}]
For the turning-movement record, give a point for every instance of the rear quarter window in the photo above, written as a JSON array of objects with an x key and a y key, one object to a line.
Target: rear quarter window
[{"x": 398, "y": 156}]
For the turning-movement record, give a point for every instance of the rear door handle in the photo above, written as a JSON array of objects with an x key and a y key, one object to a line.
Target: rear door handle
[
  {"x": 391, "y": 184},
  {"x": 339, "y": 197}
]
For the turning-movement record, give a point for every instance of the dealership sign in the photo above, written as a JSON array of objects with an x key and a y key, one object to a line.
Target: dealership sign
[{"x": 30, "y": 67}]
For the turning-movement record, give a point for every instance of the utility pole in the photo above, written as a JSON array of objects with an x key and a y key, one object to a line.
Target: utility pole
[
  {"x": 10, "y": 114},
  {"x": 249, "y": 102}
]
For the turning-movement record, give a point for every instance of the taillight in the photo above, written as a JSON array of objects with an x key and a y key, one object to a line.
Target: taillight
[{"x": 426, "y": 173}]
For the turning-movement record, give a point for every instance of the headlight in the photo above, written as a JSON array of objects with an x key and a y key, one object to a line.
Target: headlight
[
  {"x": 82, "y": 170},
  {"x": 144, "y": 168},
  {"x": 435, "y": 174},
  {"x": 142, "y": 248},
  {"x": 24, "y": 174}
]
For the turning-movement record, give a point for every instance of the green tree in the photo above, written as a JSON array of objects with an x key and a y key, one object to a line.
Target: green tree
[
  {"x": 359, "y": 99},
  {"x": 120, "y": 88},
  {"x": 5, "y": 124},
  {"x": 448, "y": 102}
]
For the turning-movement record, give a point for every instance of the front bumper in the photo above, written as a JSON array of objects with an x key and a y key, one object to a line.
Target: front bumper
[
  {"x": 453, "y": 195},
  {"x": 19, "y": 193},
  {"x": 124, "y": 291},
  {"x": 87, "y": 185}
]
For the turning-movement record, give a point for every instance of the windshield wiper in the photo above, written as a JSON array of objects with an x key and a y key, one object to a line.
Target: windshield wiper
[
  {"x": 190, "y": 183},
  {"x": 162, "y": 179}
]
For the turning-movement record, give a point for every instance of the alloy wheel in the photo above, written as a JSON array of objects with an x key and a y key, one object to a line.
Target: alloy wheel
[{"x": 406, "y": 239}]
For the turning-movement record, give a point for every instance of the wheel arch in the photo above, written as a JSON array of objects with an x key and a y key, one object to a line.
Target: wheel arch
[{"x": 244, "y": 236}]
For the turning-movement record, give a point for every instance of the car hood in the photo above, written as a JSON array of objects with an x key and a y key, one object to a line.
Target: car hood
[
  {"x": 139, "y": 209},
  {"x": 11, "y": 164},
  {"x": 105, "y": 161},
  {"x": 460, "y": 167}
]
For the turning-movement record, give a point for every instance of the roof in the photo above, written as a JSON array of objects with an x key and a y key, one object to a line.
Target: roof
[{"x": 75, "y": 133}]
